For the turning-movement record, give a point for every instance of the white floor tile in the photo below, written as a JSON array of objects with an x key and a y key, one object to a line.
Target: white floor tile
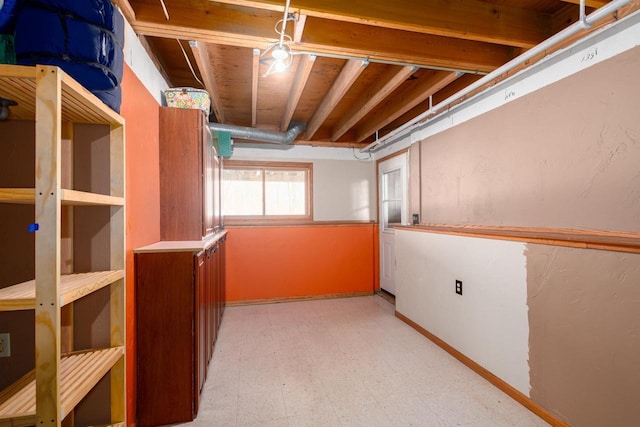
[
  {"x": 261, "y": 408},
  {"x": 346, "y": 362}
]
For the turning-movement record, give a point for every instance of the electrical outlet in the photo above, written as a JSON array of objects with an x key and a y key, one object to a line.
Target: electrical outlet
[
  {"x": 459, "y": 287},
  {"x": 5, "y": 345}
]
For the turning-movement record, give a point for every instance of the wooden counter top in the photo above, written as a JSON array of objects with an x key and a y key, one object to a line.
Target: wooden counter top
[
  {"x": 181, "y": 245},
  {"x": 619, "y": 241}
]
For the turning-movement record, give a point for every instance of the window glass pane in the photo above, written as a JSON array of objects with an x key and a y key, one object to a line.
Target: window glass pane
[
  {"x": 392, "y": 185},
  {"x": 285, "y": 192},
  {"x": 393, "y": 215},
  {"x": 242, "y": 192},
  {"x": 391, "y": 198}
]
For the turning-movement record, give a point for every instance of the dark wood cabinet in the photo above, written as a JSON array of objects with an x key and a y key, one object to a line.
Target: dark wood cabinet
[
  {"x": 200, "y": 345},
  {"x": 189, "y": 176},
  {"x": 165, "y": 340},
  {"x": 179, "y": 300},
  {"x": 180, "y": 280}
]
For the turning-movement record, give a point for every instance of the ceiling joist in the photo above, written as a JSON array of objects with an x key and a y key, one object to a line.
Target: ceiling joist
[
  {"x": 255, "y": 73},
  {"x": 305, "y": 65},
  {"x": 349, "y": 74},
  {"x": 201, "y": 54},
  {"x": 323, "y": 36},
  {"x": 373, "y": 97},
  {"x": 341, "y": 105},
  {"x": 426, "y": 86},
  {"x": 468, "y": 19}
]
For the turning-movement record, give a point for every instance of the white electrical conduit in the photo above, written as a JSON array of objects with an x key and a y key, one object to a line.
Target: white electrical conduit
[
  {"x": 583, "y": 23},
  {"x": 284, "y": 21}
]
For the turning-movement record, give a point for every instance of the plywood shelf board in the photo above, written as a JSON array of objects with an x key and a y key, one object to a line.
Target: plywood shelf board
[
  {"x": 78, "y": 198},
  {"x": 22, "y": 296},
  {"x": 18, "y": 83},
  {"x": 17, "y": 195},
  {"x": 80, "y": 372},
  {"x": 68, "y": 197}
]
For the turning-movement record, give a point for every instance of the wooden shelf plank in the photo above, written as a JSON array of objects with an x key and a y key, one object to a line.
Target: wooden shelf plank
[
  {"x": 72, "y": 287},
  {"x": 18, "y": 82},
  {"x": 17, "y": 195},
  {"x": 80, "y": 373},
  {"x": 68, "y": 197},
  {"x": 618, "y": 241},
  {"x": 79, "y": 198}
]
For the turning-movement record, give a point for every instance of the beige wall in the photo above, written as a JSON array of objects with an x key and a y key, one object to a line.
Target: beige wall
[
  {"x": 566, "y": 156},
  {"x": 18, "y": 245},
  {"x": 584, "y": 321}
]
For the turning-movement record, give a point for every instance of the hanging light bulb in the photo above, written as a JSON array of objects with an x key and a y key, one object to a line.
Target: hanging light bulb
[
  {"x": 280, "y": 53},
  {"x": 280, "y": 66}
]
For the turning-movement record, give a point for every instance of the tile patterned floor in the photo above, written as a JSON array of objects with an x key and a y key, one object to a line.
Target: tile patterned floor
[{"x": 342, "y": 362}]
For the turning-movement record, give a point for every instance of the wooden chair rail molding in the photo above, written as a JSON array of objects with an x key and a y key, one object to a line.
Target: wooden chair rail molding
[
  {"x": 619, "y": 241},
  {"x": 270, "y": 223}
]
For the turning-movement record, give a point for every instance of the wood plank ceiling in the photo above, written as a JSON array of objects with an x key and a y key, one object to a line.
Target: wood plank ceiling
[{"x": 360, "y": 68}]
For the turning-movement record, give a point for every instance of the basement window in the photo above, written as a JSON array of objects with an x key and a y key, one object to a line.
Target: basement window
[{"x": 256, "y": 192}]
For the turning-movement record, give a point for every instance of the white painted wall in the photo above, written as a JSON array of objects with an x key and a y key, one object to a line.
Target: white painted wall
[
  {"x": 141, "y": 64},
  {"x": 344, "y": 188},
  {"x": 489, "y": 322}
]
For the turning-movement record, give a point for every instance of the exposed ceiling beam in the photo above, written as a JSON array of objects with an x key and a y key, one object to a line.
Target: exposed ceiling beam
[
  {"x": 213, "y": 22},
  {"x": 255, "y": 73},
  {"x": 185, "y": 32},
  {"x": 201, "y": 55},
  {"x": 305, "y": 66},
  {"x": 373, "y": 97},
  {"x": 468, "y": 19},
  {"x": 349, "y": 74},
  {"x": 423, "y": 88},
  {"x": 400, "y": 46},
  {"x": 298, "y": 28},
  {"x": 332, "y": 38}
]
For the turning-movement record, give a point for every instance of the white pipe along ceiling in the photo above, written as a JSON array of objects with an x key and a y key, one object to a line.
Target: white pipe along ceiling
[{"x": 583, "y": 23}]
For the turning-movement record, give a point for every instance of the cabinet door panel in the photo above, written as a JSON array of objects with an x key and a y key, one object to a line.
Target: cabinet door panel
[
  {"x": 165, "y": 297},
  {"x": 210, "y": 302},
  {"x": 201, "y": 325},
  {"x": 181, "y": 174}
]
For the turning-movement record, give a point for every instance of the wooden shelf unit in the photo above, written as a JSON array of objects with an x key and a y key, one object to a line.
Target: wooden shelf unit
[
  {"x": 54, "y": 102},
  {"x": 67, "y": 197},
  {"x": 79, "y": 374},
  {"x": 72, "y": 287}
]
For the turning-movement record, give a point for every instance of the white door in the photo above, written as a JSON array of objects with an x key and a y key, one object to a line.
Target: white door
[{"x": 393, "y": 197}]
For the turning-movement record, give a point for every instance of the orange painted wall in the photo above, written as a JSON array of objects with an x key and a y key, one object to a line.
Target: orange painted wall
[
  {"x": 281, "y": 262},
  {"x": 141, "y": 112}
]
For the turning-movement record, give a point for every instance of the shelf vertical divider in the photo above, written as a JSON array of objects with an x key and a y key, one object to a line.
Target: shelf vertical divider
[
  {"x": 118, "y": 260},
  {"x": 48, "y": 218}
]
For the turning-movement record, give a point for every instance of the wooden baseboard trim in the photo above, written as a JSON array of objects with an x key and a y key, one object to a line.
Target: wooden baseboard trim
[
  {"x": 496, "y": 381},
  {"x": 299, "y": 298}
]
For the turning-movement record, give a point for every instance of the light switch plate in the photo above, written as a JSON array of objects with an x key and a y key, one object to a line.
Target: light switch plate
[{"x": 5, "y": 345}]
